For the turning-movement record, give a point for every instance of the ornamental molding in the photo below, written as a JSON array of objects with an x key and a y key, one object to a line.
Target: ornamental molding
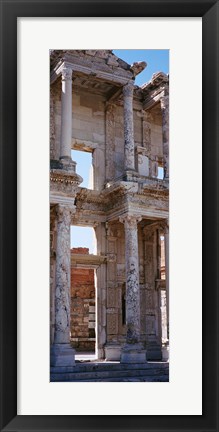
[{"x": 60, "y": 175}]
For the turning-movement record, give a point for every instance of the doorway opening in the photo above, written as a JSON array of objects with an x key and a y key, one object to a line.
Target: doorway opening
[
  {"x": 83, "y": 307},
  {"x": 83, "y": 292}
]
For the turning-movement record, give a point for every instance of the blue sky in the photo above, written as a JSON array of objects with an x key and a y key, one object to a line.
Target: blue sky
[{"x": 157, "y": 61}]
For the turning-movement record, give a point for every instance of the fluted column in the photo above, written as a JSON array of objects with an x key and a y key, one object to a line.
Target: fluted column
[
  {"x": 129, "y": 162},
  {"x": 66, "y": 114},
  {"x": 164, "y": 103},
  {"x": 132, "y": 351},
  {"x": 62, "y": 353}
]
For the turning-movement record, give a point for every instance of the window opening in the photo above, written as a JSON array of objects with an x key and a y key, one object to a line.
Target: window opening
[
  {"x": 84, "y": 167},
  {"x": 83, "y": 237},
  {"x": 160, "y": 173}
]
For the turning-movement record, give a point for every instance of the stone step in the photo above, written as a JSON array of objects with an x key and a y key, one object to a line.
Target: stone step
[
  {"x": 109, "y": 366},
  {"x": 155, "y": 378},
  {"x": 101, "y": 375}
]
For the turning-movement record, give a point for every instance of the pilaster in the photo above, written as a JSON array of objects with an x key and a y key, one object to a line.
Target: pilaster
[{"x": 153, "y": 332}]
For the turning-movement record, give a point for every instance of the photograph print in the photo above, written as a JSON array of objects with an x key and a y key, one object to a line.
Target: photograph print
[{"x": 109, "y": 215}]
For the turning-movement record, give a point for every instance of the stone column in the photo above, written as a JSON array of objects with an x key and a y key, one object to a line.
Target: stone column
[
  {"x": 66, "y": 115},
  {"x": 132, "y": 352},
  {"x": 164, "y": 103},
  {"x": 129, "y": 162},
  {"x": 62, "y": 354},
  {"x": 166, "y": 240}
]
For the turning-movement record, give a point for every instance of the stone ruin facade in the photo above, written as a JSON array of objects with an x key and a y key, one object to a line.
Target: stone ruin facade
[{"x": 96, "y": 107}]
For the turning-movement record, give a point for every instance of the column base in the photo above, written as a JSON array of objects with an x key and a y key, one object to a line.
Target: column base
[
  {"x": 154, "y": 352},
  {"x": 165, "y": 353},
  {"x": 62, "y": 355},
  {"x": 112, "y": 352},
  {"x": 68, "y": 164},
  {"x": 133, "y": 354}
]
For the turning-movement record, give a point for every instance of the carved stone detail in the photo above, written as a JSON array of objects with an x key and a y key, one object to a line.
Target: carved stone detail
[
  {"x": 66, "y": 74},
  {"x": 111, "y": 257},
  {"x": 130, "y": 221}
]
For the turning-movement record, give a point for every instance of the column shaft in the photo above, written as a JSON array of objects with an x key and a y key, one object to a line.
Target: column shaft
[
  {"x": 63, "y": 272},
  {"x": 129, "y": 163},
  {"x": 166, "y": 239},
  {"x": 132, "y": 279},
  {"x": 165, "y": 124},
  {"x": 66, "y": 114}
]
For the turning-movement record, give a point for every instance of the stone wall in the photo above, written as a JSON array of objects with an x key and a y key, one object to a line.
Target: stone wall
[{"x": 82, "y": 306}]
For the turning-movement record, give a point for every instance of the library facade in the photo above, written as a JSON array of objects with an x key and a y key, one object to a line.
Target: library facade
[{"x": 114, "y": 302}]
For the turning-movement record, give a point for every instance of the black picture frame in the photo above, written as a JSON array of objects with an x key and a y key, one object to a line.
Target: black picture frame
[{"x": 10, "y": 11}]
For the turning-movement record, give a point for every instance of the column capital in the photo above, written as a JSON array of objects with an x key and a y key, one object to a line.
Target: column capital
[
  {"x": 66, "y": 74},
  {"x": 130, "y": 221},
  {"x": 128, "y": 89}
]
